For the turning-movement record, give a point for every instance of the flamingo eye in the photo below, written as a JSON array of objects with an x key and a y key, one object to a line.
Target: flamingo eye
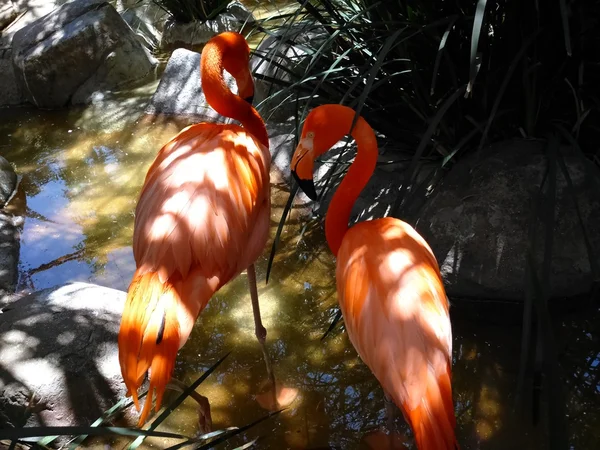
[{"x": 310, "y": 135}]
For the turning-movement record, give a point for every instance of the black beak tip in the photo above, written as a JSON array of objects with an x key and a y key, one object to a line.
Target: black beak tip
[
  {"x": 249, "y": 99},
  {"x": 307, "y": 186}
]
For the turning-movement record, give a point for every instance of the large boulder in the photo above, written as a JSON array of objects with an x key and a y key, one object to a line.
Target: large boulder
[
  {"x": 78, "y": 49},
  {"x": 11, "y": 93},
  {"x": 8, "y": 13},
  {"x": 478, "y": 223},
  {"x": 8, "y": 181},
  {"x": 10, "y": 230},
  {"x": 59, "y": 356},
  {"x": 235, "y": 17},
  {"x": 179, "y": 92},
  {"x": 10, "y": 246},
  {"x": 27, "y": 11}
]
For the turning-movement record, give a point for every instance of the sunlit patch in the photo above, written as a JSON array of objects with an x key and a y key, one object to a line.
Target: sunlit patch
[
  {"x": 162, "y": 226},
  {"x": 488, "y": 412},
  {"x": 242, "y": 312},
  {"x": 65, "y": 338},
  {"x": 274, "y": 399}
]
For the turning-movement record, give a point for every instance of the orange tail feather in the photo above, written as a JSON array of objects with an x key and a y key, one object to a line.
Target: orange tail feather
[
  {"x": 433, "y": 421},
  {"x": 148, "y": 338}
]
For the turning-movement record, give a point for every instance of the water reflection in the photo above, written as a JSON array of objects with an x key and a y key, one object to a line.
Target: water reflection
[{"x": 82, "y": 184}]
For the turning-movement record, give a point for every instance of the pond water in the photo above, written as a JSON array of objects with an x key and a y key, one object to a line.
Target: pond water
[{"x": 82, "y": 170}]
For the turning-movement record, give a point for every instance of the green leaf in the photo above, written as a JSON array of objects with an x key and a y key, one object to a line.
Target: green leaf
[
  {"x": 477, "y": 22},
  {"x": 178, "y": 401}
]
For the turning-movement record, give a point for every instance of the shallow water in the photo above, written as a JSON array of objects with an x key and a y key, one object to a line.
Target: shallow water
[{"x": 82, "y": 170}]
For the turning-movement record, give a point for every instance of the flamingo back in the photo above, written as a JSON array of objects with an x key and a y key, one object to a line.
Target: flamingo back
[
  {"x": 397, "y": 316},
  {"x": 205, "y": 204}
]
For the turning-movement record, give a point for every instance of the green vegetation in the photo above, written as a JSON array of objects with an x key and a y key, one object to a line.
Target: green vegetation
[
  {"x": 193, "y": 10},
  {"x": 47, "y": 435},
  {"x": 440, "y": 80}
]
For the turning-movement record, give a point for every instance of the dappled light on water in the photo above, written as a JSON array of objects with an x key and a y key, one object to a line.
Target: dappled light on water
[{"x": 82, "y": 182}]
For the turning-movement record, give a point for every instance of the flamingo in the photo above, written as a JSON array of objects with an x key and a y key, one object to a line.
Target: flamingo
[
  {"x": 388, "y": 283},
  {"x": 201, "y": 219}
]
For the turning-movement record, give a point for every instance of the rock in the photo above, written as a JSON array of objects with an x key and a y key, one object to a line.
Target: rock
[
  {"x": 60, "y": 344},
  {"x": 78, "y": 49},
  {"x": 10, "y": 230},
  {"x": 11, "y": 93},
  {"x": 477, "y": 223},
  {"x": 277, "y": 57},
  {"x": 150, "y": 12},
  {"x": 145, "y": 31},
  {"x": 8, "y": 181},
  {"x": 8, "y": 13},
  {"x": 235, "y": 17},
  {"x": 179, "y": 92},
  {"x": 28, "y": 11},
  {"x": 10, "y": 234}
]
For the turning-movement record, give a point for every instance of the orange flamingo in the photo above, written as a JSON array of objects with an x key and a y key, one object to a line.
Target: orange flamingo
[
  {"x": 389, "y": 286},
  {"x": 201, "y": 219}
]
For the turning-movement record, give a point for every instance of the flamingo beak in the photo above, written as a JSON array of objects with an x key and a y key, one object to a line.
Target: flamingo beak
[{"x": 307, "y": 186}]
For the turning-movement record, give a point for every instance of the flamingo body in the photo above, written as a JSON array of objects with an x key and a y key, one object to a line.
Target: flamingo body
[
  {"x": 388, "y": 282},
  {"x": 396, "y": 315},
  {"x": 205, "y": 205},
  {"x": 201, "y": 219}
]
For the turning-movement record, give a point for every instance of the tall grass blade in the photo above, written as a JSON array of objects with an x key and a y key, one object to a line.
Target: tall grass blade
[
  {"x": 592, "y": 171},
  {"x": 336, "y": 319},
  {"x": 565, "y": 24},
  {"x": 502, "y": 89},
  {"x": 28, "y": 432},
  {"x": 277, "y": 237},
  {"x": 178, "y": 401},
  {"x": 593, "y": 260},
  {"x": 530, "y": 293},
  {"x": 422, "y": 144},
  {"x": 556, "y": 415},
  {"x": 477, "y": 23},
  {"x": 440, "y": 52},
  {"x": 225, "y": 436}
]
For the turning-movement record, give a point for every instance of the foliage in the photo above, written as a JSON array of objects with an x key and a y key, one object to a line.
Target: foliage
[
  {"x": 438, "y": 80},
  {"x": 49, "y": 434},
  {"x": 523, "y": 67},
  {"x": 185, "y": 11}
]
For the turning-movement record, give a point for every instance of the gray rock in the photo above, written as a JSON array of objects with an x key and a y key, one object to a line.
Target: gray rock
[
  {"x": 60, "y": 344},
  {"x": 8, "y": 13},
  {"x": 28, "y": 11},
  {"x": 10, "y": 235},
  {"x": 79, "y": 48},
  {"x": 277, "y": 57},
  {"x": 11, "y": 93},
  {"x": 8, "y": 181},
  {"x": 477, "y": 223},
  {"x": 179, "y": 92},
  {"x": 145, "y": 31},
  {"x": 234, "y": 18}
]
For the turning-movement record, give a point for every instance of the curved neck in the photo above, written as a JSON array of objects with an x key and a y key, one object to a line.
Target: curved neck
[
  {"x": 361, "y": 169},
  {"x": 220, "y": 97}
]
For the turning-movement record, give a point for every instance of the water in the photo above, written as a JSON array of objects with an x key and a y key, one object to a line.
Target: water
[{"x": 82, "y": 170}]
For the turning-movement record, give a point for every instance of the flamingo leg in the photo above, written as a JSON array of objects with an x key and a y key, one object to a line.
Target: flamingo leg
[
  {"x": 259, "y": 330},
  {"x": 390, "y": 412},
  {"x": 204, "y": 417}
]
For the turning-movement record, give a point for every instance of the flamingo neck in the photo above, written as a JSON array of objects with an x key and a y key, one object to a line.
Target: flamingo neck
[
  {"x": 220, "y": 97},
  {"x": 359, "y": 173}
]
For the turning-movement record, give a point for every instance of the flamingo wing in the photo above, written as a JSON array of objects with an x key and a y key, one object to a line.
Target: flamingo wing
[
  {"x": 396, "y": 313},
  {"x": 201, "y": 202}
]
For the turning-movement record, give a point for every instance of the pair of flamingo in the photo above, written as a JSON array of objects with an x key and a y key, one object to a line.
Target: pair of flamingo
[{"x": 203, "y": 217}]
